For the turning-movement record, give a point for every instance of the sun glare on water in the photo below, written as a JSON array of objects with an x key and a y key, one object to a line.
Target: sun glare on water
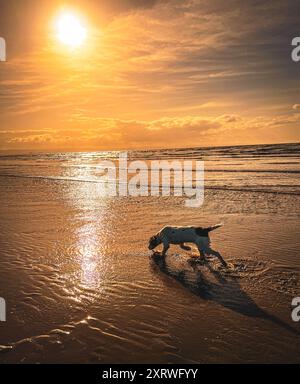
[{"x": 70, "y": 30}]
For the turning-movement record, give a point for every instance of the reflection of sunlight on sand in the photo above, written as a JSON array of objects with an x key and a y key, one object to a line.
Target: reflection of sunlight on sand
[
  {"x": 91, "y": 231},
  {"x": 90, "y": 256}
]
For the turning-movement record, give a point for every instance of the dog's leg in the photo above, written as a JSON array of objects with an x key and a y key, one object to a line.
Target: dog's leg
[
  {"x": 201, "y": 259},
  {"x": 201, "y": 252},
  {"x": 185, "y": 247},
  {"x": 166, "y": 247}
]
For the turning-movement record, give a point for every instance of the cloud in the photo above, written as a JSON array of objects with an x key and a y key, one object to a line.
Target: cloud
[
  {"x": 32, "y": 139},
  {"x": 83, "y": 132},
  {"x": 230, "y": 118},
  {"x": 100, "y": 133},
  {"x": 148, "y": 60}
]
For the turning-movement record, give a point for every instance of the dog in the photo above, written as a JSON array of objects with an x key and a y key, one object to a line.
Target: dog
[{"x": 181, "y": 235}]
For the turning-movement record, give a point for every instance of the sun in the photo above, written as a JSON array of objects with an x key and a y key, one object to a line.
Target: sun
[{"x": 69, "y": 30}]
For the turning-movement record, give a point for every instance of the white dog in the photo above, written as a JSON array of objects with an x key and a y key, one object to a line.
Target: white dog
[{"x": 180, "y": 235}]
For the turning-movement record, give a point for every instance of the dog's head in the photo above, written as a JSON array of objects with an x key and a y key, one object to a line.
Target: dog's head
[{"x": 154, "y": 241}]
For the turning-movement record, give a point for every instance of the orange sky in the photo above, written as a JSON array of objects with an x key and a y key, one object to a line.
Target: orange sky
[{"x": 150, "y": 74}]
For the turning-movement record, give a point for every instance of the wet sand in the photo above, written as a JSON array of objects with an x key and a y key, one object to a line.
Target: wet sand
[{"x": 81, "y": 286}]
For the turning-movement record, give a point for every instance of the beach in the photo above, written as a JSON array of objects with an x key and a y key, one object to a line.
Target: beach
[{"x": 81, "y": 286}]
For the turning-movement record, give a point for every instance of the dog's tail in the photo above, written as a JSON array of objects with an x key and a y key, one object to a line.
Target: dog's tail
[{"x": 213, "y": 227}]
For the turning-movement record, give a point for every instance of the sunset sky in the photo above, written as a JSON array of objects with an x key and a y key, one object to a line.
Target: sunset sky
[{"x": 149, "y": 73}]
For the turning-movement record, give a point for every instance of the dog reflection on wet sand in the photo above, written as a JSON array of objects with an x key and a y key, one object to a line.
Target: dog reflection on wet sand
[{"x": 218, "y": 285}]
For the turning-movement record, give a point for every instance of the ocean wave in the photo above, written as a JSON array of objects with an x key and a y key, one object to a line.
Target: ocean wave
[{"x": 256, "y": 188}]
